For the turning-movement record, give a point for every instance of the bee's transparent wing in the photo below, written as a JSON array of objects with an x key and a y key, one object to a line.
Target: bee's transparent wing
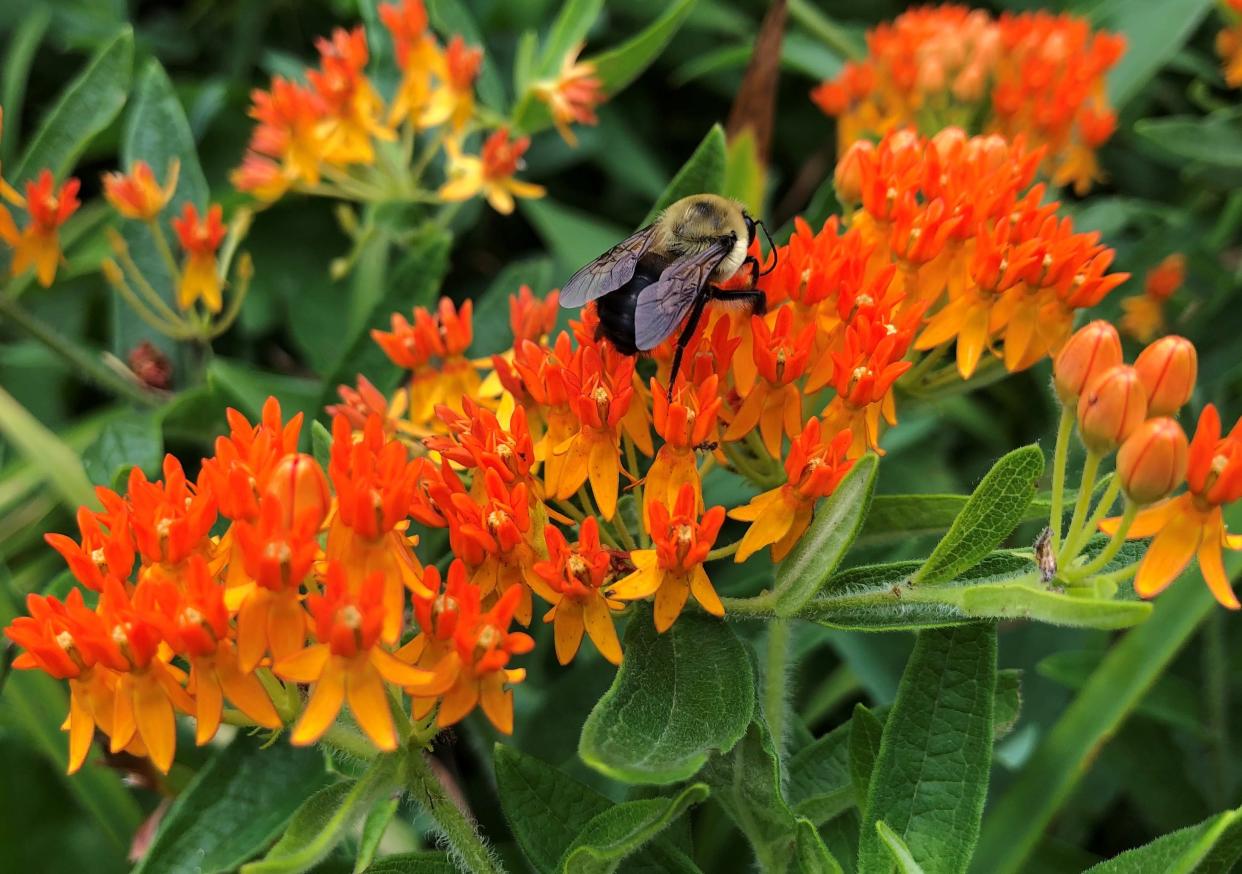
[
  {"x": 609, "y": 271},
  {"x": 662, "y": 305}
]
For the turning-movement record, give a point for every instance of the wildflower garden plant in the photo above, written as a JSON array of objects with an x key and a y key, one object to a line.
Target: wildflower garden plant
[{"x": 331, "y": 541}]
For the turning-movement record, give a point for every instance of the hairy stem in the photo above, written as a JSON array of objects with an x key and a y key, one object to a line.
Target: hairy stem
[
  {"x": 1059, "y": 456},
  {"x": 1114, "y": 546},
  {"x": 775, "y": 677},
  {"x": 1090, "y": 468},
  {"x": 465, "y": 842}
]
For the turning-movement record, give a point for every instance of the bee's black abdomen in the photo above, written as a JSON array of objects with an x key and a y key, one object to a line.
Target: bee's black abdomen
[{"x": 616, "y": 309}]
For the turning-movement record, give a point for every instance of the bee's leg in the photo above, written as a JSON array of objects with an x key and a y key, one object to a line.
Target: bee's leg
[
  {"x": 753, "y": 263},
  {"x": 683, "y": 341},
  {"x": 757, "y": 300}
]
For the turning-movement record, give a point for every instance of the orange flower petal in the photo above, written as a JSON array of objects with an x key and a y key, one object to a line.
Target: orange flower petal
[
  {"x": 123, "y": 726},
  {"x": 247, "y": 693},
  {"x": 643, "y": 582},
  {"x": 305, "y": 666},
  {"x": 208, "y": 703},
  {"x": 604, "y": 469},
  {"x": 1213, "y": 566},
  {"x": 669, "y": 601},
  {"x": 368, "y": 701},
  {"x": 458, "y": 701},
  {"x": 398, "y": 672},
  {"x": 567, "y": 627},
  {"x": 1168, "y": 554},
  {"x": 153, "y": 716},
  {"x": 703, "y": 591},
  {"x": 600, "y": 627},
  {"x": 497, "y": 702},
  {"x": 327, "y": 696},
  {"x": 81, "y": 727}
]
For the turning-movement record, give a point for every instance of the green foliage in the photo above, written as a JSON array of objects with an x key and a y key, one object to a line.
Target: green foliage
[
  {"x": 1214, "y": 845},
  {"x": 704, "y": 171}
]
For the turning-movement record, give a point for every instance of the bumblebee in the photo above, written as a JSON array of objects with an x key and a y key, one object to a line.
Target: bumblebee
[{"x": 666, "y": 273}]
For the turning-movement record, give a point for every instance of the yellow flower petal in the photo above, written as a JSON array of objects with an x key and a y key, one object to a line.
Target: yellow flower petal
[
  {"x": 81, "y": 726},
  {"x": 246, "y": 692},
  {"x": 1212, "y": 565},
  {"x": 458, "y": 701},
  {"x": 643, "y": 582},
  {"x": 153, "y": 716},
  {"x": 497, "y": 702},
  {"x": 1168, "y": 554},
  {"x": 368, "y": 702},
  {"x": 669, "y": 601},
  {"x": 208, "y": 703},
  {"x": 604, "y": 469},
  {"x": 703, "y": 591},
  {"x": 600, "y": 627},
  {"x": 327, "y": 696},
  {"x": 304, "y": 667},
  {"x": 567, "y": 628}
]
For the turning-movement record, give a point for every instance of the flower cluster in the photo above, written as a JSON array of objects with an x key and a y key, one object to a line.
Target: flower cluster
[
  {"x": 1143, "y": 315},
  {"x": 1131, "y": 410},
  {"x": 1033, "y": 73},
  {"x": 336, "y": 136},
  {"x": 1229, "y": 43}
]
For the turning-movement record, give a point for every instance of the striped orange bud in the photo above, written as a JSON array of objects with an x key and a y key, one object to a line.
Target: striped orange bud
[
  {"x": 1152, "y": 461},
  {"x": 1111, "y": 408},
  {"x": 1093, "y": 349},
  {"x": 1168, "y": 369},
  {"x": 299, "y": 483},
  {"x": 847, "y": 178}
]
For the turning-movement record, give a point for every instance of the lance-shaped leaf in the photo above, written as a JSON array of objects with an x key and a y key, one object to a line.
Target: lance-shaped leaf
[
  {"x": 1155, "y": 31},
  {"x": 813, "y": 854},
  {"x": 837, "y": 521},
  {"x": 866, "y": 729},
  {"x": 678, "y": 697},
  {"x": 902, "y": 857},
  {"x": 931, "y": 775},
  {"x": 819, "y": 784},
  {"x": 704, "y": 172},
  {"x": 993, "y": 511},
  {"x": 617, "y": 832},
  {"x": 899, "y": 517},
  {"x": 1211, "y": 847},
  {"x": 413, "y": 863}
]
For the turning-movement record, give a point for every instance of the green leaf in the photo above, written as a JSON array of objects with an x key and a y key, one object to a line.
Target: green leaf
[
  {"x": 547, "y": 810},
  {"x": 1213, "y": 845},
  {"x": 235, "y": 805},
  {"x": 248, "y": 389},
  {"x": 1008, "y": 706},
  {"x": 413, "y": 863},
  {"x": 452, "y": 17},
  {"x": 703, "y": 173},
  {"x": 837, "y": 521},
  {"x": 1170, "y": 699},
  {"x": 897, "y": 848},
  {"x": 677, "y": 697},
  {"x": 1017, "y": 819},
  {"x": 621, "y": 65},
  {"x": 569, "y": 30},
  {"x": 573, "y": 236},
  {"x": 1155, "y": 31},
  {"x": 134, "y": 441},
  {"x": 87, "y": 105},
  {"x": 1215, "y": 141},
  {"x": 898, "y": 517},
  {"x": 931, "y": 775},
  {"x": 744, "y": 174},
  {"x": 20, "y": 54},
  {"x": 325, "y": 819},
  {"x": 55, "y": 461},
  {"x": 617, "y": 832},
  {"x": 994, "y": 509},
  {"x": 373, "y": 831},
  {"x": 866, "y": 730},
  {"x": 492, "y": 332},
  {"x": 813, "y": 855},
  {"x": 321, "y": 443},
  {"x": 820, "y": 784}
]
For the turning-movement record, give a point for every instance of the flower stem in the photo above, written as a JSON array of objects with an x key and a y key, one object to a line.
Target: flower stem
[
  {"x": 349, "y": 741},
  {"x": 723, "y": 551},
  {"x": 759, "y": 606},
  {"x": 79, "y": 359},
  {"x": 776, "y": 671},
  {"x": 1055, "y": 518},
  {"x": 466, "y": 842},
  {"x": 1113, "y": 547},
  {"x": 1090, "y": 468}
]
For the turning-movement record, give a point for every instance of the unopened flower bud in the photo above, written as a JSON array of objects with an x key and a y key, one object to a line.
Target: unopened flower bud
[
  {"x": 1111, "y": 408},
  {"x": 1168, "y": 369},
  {"x": 847, "y": 178},
  {"x": 299, "y": 483},
  {"x": 1152, "y": 461},
  {"x": 1093, "y": 349}
]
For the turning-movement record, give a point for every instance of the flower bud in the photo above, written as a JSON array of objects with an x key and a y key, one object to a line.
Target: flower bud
[
  {"x": 298, "y": 482},
  {"x": 1111, "y": 408},
  {"x": 1093, "y": 349},
  {"x": 1168, "y": 369},
  {"x": 847, "y": 178},
  {"x": 1152, "y": 461}
]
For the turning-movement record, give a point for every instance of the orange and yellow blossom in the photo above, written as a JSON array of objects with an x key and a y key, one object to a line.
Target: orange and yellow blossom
[
  {"x": 433, "y": 349},
  {"x": 1229, "y": 44},
  {"x": 353, "y": 108},
  {"x": 778, "y": 517},
  {"x": 417, "y": 56},
  {"x": 349, "y": 662},
  {"x": 572, "y": 95},
  {"x": 688, "y": 424},
  {"x": 136, "y": 194},
  {"x": 107, "y": 546},
  {"x": 452, "y": 101},
  {"x": 170, "y": 520},
  {"x": 1142, "y": 315},
  {"x": 200, "y": 274},
  {"x": 673, "y": 570},
  {"x": 1193, "y": 523},
  {"x": 38, "y": 244},
  {"x": 286, "y": 146},
  {"x": 491, "y": 173},
  {"x": 466, "y": 649},
  {"x": 574, "y": 580},
  {"x": 774, "y": 403}
]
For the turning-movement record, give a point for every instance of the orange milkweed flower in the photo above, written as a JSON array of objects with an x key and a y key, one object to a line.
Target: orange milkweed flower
[
  {"x": 673, "y": 570},
  {"x": 687, "y": 423},
  {"x": 286, "y": 146},
  {"x": 170, "y": 519},
  {"x": 572, "y": 94},
  {"x": 247, "y": 459},
  {"x": 107, "y": 546},
  {"x": 137, "y": 194},
  {"x": 433, "y": 349},
  {"x": 359, "y": 404},
  {"x": 417, "y": 56},
  {"x": 349, "y": 662},
  {"x": 780, "y": 516},
  {"x": 491, "y": 173},
  {"x": 466, "y": 649},
  {"x": 1192, "y": 524},
  {"x": 353, "y": 108},
  {"x": 195, "y": 623},
  {"x": 774, "y": 403},
  {"x": 532, "y": 318},
  {"x": 38, "y": 244},
  {"x": 1229, "y": 44},
  {"x": 200, "y": 238},
  {"x": 1142, "y": 315},
  {"x": 452, "y": 102},
  {"x": 574, "y": 581},
  {"x": 477, "y": 439}
]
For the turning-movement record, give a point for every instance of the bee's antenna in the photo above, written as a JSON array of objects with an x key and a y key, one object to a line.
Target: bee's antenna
[{"x": 771, "y": 248}]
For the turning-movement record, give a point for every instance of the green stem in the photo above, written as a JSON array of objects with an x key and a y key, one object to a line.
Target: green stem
[
  {"x": 457, "y": 829},
  {"x": 350, "y": 741},
  {"x": 78, "y": 359},
  {"x": 723, "y": 551},
  {"x": 161, "y": 243},
  {"x": 1102, "y": 508},
  {"x": 760, "y": 606},
  {"x": 775, "y": 675},
  {"x": 1090, "y": 468},
  {"x": 1113, "y": 547},
  {"x": 1059, "y": 456}
]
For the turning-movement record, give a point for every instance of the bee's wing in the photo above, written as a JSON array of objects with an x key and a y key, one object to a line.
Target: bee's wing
[
  {"x": 662, "y": 305},
  {"x": 609, "y": 271}
]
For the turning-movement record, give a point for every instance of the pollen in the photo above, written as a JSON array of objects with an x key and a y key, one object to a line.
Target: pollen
[
  {"x": 190, "y": 616},
  {"x": 488, "y": 637},
  {"x": 64, "y": 640},
  {"x": 119, "y": 635},
  {"x": 577, "y": 565},
  {"x": 351, "y": 617}
]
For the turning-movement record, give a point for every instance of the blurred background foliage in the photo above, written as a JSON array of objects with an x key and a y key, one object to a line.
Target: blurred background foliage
[{"x": 1170, "y": 765}]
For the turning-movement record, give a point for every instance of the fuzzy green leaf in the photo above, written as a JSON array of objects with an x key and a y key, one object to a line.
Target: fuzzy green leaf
[
  {"x": 677, "y": 697},
  {"x": 19, "y": 55},
  {"x": 897, "y": 848},
  {"x": 373, "y": 829},
  {"x": 1212, "y": 846},
  {"x": 899, "y": 517},
  {"x": 568, "y": 31},
  {"x": 619, "y": 66},
  {"x": 703, "y": 173},
  {"x": 236, "y": 804},
  {"x": 87, "y": 105},
  {"x": 812, "y": 854},
  {"x": 820, "y": 550},
  {"x": 866, "y": 730},
  {"x": 1008, "y": 706},
  {"x": 820, "y": 785},
  {"x": 617, "y": 832},
  {"x": 931, "y": 775},
  {"x": 134, "y": 441},
  {"x": 992, "y": 512},
  {"x": 413, "y": 863},
  {"x": 1214, "y": 141}
]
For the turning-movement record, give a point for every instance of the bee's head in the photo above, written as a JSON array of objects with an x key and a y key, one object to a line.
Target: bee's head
[{"x": 750, "y": 228}]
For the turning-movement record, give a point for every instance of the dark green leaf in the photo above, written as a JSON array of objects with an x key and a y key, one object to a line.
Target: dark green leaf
[
  {"x": 248, "y": 389},
  {"x": 492, "y": 332},
  {"x": 617, "y": 832},
  {"x": 994, "y": 509},
  {"x": 87, "y": 105},
  {"x": 1155, "y": 31},
  {"x": 573, "y": 236},
  {"x": 837, "y": 521},
  {"x": 21, "y": 52},
  {"x": 1214, "y": 141},
  {"x": 1213, "y": 845},
  {"x": 897, "y": 517},
  {"x": 413, "y": 863},
  {"x": 865, "y": 732},
  {"x": 744, "y": 174},
  {"x": 134, "y": 441},
  {"x": 1008, "y": 706},
  {"x": 325, "y": 819},
  {"x": 373, "y": 831},
  {"x": 703, "y": 173},
  {"x": 234, "y": 806},
  {"x": 931, "y": 775},
  {"x": 677, "y": 697},
  {"x": 820, "y": 784},
  {"x": 813, "y": 855},
  {"x": 568, "y": 32},
  {"x": 1170, "y": 699},
  {"x": 619, "y": 66},
  {"x": 321, "y": 443},
  {"x": 901, "y": 855}
]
